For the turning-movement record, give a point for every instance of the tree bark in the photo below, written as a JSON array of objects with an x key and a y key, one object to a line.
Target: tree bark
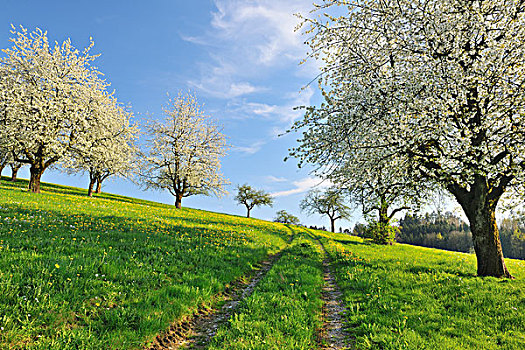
[
  {"x": 99, "y": 186},
  {"x": 487, "y": 245},
  {"x": 2, "y": 166},
  {"x": 248, "y": 213},
  {"x": 90, "y": 188},
  {"x": 34, "y": 180},
  {"x": 332, "y": 224},
  {"x": 178, "y": 201},
  {"x": 383, "y": 212},
  {"x": 480, "y": 209},
  {"x": 14, "y": 172}
]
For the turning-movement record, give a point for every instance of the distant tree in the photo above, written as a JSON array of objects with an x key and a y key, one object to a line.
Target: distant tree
[
  {"x": 184, "y": 152},
  {"x": 251, "y": 198},
  {"x": 359, "y": 229},
  {"x": 48, "y": 96},
  {"x": 283, "y": 217},
  {"x": 436, "y": 230},
  {"x": 330, "y": 203}
]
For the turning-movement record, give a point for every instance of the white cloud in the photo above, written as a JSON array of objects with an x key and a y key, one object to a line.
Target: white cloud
[
  {"x": 302, "y": 186},
  {"x": 214, "y": 87},
  {"x": 247, "y": 40},
  {"x": 272, "y": 178},
  {"x": 265, "y": 28},
  {"x": 281, "y": 114},
  {"x": 251, "y": 149}
]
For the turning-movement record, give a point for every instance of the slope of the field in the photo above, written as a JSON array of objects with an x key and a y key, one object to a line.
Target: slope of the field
[
  {"x": 407, "y": 297},
  {"x": 110, "y": 272}
]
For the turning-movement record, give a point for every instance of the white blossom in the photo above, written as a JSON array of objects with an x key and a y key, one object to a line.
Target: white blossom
[
  {"x": 47, "y": 96},
  {"x": 433, "y": 89},
  {"x": 184, "y": 151}
]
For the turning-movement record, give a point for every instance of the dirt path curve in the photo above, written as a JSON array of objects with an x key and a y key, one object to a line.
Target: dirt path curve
[{"x": 197, "y": 331}]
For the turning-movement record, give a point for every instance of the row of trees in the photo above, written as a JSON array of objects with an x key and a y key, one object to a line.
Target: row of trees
[
  {"x": 56, "y": 111},
  {"x": 435, "y": 230},
  {"x": 421, "y": 95},
  {"x": 330, "y": 203}
]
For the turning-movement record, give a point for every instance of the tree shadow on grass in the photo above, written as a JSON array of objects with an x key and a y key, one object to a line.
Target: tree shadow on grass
[{"x": 352, "y": 242}]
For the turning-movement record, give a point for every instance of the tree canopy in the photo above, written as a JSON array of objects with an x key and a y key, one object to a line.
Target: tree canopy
[
  {"x": 111, "y": 151},
  {"x": 432, "y": 88},
  {"x": 330, "y": 202},
  {"x": 52, "y": 100},
  {"x": 251, "y": 198},
  {"x": 284, "y": 217},
  {"x": 184, "y": 151}
]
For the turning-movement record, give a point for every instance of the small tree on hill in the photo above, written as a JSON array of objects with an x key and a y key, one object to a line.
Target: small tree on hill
[
  {"x": 184, "y": 152},
  {"x": 330, "y": 203},
  {"x": 285, "y": 218},
  {"x": 251, "y": 198}
]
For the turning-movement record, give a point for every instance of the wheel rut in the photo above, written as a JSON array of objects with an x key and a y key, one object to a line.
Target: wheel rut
[
  {"x": 333, "y": 335},
  {"x": 196, "y": 331}
]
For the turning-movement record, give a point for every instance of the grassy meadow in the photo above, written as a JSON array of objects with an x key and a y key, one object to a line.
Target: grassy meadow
[
  {"x": 111, "y": 272},
  {"x": 406, "y": 297}
]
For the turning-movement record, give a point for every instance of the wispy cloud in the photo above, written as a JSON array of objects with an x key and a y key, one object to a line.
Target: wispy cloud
[
  {"x": 272, "y": 178},
  {"x": 247, "y": 39},
  {"x": 251, "y": 149},
  {"x": 280, "y": 114},
  {"x": 210, "y": 85},
  {"x": 302, "y": 186},
  {"x": 264, "y": 28}
]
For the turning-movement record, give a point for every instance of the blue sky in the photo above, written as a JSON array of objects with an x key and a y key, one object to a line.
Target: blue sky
[{"x": 240, "y": 57}]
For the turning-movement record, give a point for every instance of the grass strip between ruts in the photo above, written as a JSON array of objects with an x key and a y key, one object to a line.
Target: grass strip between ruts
[{"x": 284, "y": 311}]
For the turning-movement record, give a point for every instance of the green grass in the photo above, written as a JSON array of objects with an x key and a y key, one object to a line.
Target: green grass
[
  {"x": 111, "y": 272},
  {"x": 284, "y": 310},
  {"x": 406, "y": 297}
]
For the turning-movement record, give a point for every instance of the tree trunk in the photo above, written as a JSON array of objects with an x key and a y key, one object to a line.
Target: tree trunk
[
  {"x": 481, "y": 213},
  {"x": 383, "y": 212},
  {"x": 487, "y": 245},
  {"x": 99, "y": 186},
  {"x": 332, "y": 224},
  {"x": 34, "y": 179},
  {"x": 178, "y": 201},
  {"x": 2, "y": 166},
  {"x": 90, "y": 188},
  {"x": 248, "y": 213},
  {"x": 14, "y": 172}
]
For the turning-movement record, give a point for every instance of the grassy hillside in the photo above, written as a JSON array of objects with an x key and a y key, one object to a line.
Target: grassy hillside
[
  {"x": 111, "y": 272},
  {"x": 406, "y": 297}
]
